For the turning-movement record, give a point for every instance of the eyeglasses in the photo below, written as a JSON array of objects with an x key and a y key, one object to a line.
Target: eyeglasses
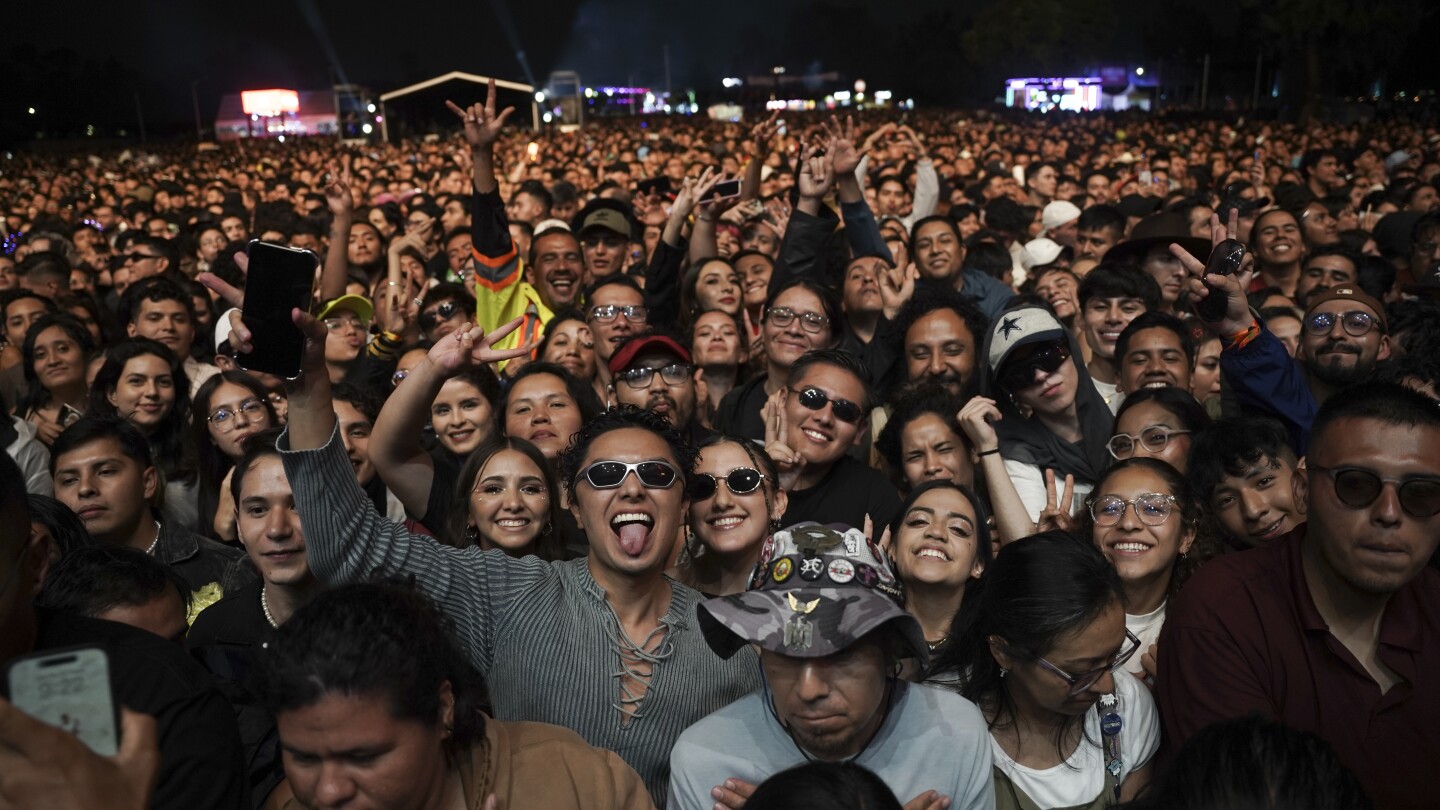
[
  {"x": 844, "y": 409},
  {"x": 644, "y": 376},
  {"x": 1356, "y": 323},
  {"x": 611, "y": 474},
  {"x": 1153, "y": 508},
  {"x": 431, "y": 318},
  {"x": 1019, "y": 375},
  {"x": 1154, "y": 439},
  {"x": 334, "y": 324},
  {"x": 740, "y": 481},
  {"x": 1085, "y": 680},
  {"x": 608, "y": 312},
  {"x": 1357, "y": 488},
  {"x": 811, "y": 322},
  {"x": 220, "y": 417}
]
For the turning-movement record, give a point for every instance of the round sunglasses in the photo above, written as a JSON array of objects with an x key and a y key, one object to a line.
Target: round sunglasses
[
  {"x": 1358, "y": 488},
  {"x": 740, "y": 481},
  {"x": 607, "y": 474}
]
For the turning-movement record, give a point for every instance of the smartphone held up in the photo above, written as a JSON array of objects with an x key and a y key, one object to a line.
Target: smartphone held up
[{"x": 280, "y": 279}]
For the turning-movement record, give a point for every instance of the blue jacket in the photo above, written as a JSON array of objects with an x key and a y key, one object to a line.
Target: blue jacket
[{"x": 1265, "y": 378}]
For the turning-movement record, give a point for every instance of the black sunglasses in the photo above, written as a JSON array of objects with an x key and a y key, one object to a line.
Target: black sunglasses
[
  {"x": 432, "y": 318},
  {"x": 1357, "y": 489},
  {"x": 1019, "y": 375},
  {"x": 740, "y": 481},
  {"x": 844, "y": 409},
  {"x": 611, "y": 474}
]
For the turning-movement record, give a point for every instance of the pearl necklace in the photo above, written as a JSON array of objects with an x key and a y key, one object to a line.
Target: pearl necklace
[
  {"x": 265, "y": 608},
  {"x": 156, "y": 541}
]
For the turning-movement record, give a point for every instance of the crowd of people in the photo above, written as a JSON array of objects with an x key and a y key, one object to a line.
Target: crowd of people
[{"x": 949, "y": 460}]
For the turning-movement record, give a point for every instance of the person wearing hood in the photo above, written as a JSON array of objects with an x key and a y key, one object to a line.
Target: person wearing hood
[{"x": 1039, "y": 419}]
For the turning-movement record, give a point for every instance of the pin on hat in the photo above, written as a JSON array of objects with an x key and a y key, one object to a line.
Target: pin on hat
[{"x": 813, "y": 599}]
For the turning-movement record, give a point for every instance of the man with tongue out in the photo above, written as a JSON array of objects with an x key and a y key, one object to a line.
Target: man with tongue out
[{"x": 605, "y": 645}]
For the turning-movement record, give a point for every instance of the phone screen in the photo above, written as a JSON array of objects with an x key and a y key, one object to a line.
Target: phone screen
[
  {"x": 70, "y": 690},
  {"x": 279, "y": 279},
  {"x": 725, "y": 189}
]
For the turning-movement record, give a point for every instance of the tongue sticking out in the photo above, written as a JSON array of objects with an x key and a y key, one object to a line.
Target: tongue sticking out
[{"x": 632, "y": 538}]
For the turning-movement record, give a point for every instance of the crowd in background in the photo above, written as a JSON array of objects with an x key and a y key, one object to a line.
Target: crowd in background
[{"x": 959, "y": 458}]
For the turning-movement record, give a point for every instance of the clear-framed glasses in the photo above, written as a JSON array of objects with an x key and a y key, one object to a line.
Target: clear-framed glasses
[
  {"x": 1356, "y": 322},
  {"x": 1085, "y": 680},
  {"x": 812, "y": 322},
  {"x": 334, "y": 324},
  {"x": 635, "y": 313},
  {"x": 1153, "y": 438},
  {"x": 1153, "y": 508},
  {"x": 222, "y": 417},
  {"x": 644, "y": 376}
]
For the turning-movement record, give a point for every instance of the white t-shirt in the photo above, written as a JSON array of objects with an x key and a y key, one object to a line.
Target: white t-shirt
[
  {"x": 1029, "y": 482},
  {"x": 1111, "y": 393},
  {"x": 1146, "y": 627},
  {"x": 1081, "y": 778}
]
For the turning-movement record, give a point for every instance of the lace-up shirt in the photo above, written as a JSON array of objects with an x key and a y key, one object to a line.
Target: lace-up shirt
[{"x": 544, "y": 637}]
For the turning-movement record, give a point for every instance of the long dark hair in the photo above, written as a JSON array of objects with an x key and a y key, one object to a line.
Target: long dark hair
[
  {"x": 378, "y": 639},
  {"x": 1038, "y": 589},
  {"x": 1189, "y": 511},
  {"x": 982, "y": 517},
  {"x": 210, "y": 463},
  {"x": 549, "y": 545},
  {"x": 170, "y": 440},
  {"x": 37, "y": 396}
]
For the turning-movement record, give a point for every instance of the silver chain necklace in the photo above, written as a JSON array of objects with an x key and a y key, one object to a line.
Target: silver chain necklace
[{"x": 265, "y": 607}]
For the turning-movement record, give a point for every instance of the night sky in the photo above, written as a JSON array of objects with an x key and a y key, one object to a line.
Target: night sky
[{"x": 108, "y": 53}]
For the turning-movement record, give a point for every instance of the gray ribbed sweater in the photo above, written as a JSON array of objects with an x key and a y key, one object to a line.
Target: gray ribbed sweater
[{"x": 540, "y": 632}]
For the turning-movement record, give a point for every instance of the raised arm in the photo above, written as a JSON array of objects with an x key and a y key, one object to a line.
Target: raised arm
[
  {"x": 482, "y": 130},
  {"x": 862, "y": 233},
  {"x": 763, "y": 134},
  {"x": 1012, "y": 520},
  {"x": 342, "y": 209}
]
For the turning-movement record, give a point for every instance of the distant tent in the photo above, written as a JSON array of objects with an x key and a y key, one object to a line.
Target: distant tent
[{"x": 458, "y": 75}]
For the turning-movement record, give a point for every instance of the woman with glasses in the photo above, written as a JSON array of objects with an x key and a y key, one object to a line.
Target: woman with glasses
[
  {"x": 735, "y": 504},
  {"x": 940, "y": 543},
  {"x": 1039, "y": 652},
  {"x": 800, "y": 316},
  {"x": 54, "y": 354},
  {"x": 229, "y": 408},
  {"x": 1145, "y": 520},
  {"x": 1157, "y": 423},
  {"x": 1041, "y": 418},
  {"x": 144, "y": 383}
]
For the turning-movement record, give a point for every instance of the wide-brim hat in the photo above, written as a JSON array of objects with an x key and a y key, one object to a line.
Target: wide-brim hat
[
  {"x": 815, "y": 591},
  {"x": 1160, "y": 229}
]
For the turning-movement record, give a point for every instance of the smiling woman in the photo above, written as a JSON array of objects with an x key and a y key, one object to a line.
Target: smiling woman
[{"x": 55, "y": 351}]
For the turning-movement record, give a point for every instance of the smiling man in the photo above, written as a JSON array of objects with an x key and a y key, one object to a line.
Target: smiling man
[
  {"x": 1331, "y": 628},
  {"x": 825, "y": 405},
  {"x": 938, "y": 333},
  {"x": 823, "y": 610},
  {"x": 1154, "y": 351}
]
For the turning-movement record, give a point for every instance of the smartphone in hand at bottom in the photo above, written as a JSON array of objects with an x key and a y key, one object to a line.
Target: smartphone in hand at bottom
[{"x": 70, "y": 690}]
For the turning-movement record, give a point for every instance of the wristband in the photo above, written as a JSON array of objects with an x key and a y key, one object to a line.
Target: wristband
[
  {"x": 985, "y": 453},
  {"x": 1241, "y": 339}
]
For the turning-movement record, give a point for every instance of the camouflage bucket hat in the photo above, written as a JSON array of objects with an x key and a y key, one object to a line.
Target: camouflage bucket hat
[{"x": 815, "y": 591}]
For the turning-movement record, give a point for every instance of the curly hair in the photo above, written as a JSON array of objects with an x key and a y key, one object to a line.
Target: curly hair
[
  {"x": 374, "y": 639},
  {"x": 619, "y": 418}
]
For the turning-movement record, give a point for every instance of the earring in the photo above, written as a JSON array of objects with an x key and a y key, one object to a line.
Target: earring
[{"x": 1004, "y": 672}]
